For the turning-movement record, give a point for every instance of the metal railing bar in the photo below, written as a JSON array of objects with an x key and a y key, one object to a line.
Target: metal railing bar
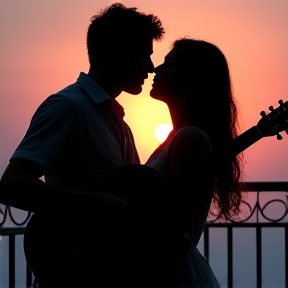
[
  {"x": 266, "y": 186},
  {"x": 286, "y": 256},
  {"x": 230, "y": 256},
  {"x": 28, "y": 276},
  {"x": 11, "y": 261},
  {"x": 12, "y": 231},
  {"x": 206, "y": 242},
  {"x": 247, "y": 225},
  {"x": 259, "y": 256}
]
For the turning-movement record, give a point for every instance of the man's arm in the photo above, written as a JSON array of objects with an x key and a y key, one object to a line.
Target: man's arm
[
  {"x": 21, "y": 187},
  {"x": 17, "y": 182}
]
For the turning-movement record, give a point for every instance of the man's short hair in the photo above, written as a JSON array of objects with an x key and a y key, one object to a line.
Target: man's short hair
[{"x": 117, "y": 27}]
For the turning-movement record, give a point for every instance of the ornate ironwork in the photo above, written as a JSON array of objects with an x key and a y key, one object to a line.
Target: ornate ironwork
[
  {"x": 8, "y": 211},
  {"x": 247, "y": 209}
]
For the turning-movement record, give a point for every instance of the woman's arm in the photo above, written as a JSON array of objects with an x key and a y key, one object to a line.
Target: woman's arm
[
  {"x": 191, "y": 191},
  {"x": 188, "y": 147}
]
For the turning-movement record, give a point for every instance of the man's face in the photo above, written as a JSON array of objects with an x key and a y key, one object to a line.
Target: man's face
[{"x": 134, "y": 64}]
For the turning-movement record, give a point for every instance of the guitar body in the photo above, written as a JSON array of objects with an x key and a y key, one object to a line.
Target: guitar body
[
  {"x": 133, "y": 181},
  {"x": 65, "y": 245}
]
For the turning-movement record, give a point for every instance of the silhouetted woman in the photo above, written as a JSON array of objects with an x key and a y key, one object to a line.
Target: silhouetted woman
[{"x": 194, "y": 82}]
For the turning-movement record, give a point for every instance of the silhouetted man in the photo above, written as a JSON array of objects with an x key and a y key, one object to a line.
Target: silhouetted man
[{"x": 75, "y": 139}]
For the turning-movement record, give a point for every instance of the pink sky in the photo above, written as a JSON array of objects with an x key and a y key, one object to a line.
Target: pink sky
[{"x": 43, "y": 50}]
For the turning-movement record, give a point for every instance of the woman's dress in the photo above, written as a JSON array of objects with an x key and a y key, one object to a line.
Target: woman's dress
[{"x": 193, "y": 270}]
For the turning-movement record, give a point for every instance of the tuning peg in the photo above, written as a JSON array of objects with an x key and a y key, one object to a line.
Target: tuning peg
[
  {"x": 263, "y": 113},
  {"x": 271, "y": 108},
  {"x": 279, "y": 137}
]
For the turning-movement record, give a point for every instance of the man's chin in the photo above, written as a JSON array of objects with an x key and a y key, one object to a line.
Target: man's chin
[
  {"x": 152, "y": 93},
  {"x": 134, "y": 90}
]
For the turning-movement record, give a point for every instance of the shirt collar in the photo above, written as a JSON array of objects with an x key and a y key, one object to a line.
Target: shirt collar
[{"x": 97, "y": 94}]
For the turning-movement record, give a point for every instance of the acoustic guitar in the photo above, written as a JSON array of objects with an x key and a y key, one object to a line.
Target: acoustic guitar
[{"x": 134, "y": 183}]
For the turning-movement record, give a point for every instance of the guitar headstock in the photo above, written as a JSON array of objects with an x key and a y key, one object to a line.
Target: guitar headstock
[{"x": 275, "y": 122}]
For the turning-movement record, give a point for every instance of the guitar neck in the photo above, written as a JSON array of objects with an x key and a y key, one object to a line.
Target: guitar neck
[{"x": 240, "y": 143}]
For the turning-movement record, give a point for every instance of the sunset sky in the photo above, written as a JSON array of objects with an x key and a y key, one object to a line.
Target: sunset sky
[{"x": 43, "y": 49}]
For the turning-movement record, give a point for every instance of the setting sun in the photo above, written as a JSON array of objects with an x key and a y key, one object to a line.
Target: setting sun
[{"x": 162, "y": 131}]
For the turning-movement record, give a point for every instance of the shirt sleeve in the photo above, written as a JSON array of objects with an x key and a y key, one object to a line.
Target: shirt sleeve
[{"x": 49, "y": 129}]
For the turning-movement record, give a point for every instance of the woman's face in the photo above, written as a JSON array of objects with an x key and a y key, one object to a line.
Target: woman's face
[{"x": 167, "y": 85}]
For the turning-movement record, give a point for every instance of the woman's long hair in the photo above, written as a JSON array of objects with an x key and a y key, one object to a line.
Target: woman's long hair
[{"x": 205, "y": 73}]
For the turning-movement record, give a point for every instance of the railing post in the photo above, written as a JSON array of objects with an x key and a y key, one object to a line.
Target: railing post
[
  {"x": 206, "y": 242},
  {"x": 28, "y": 276},
  {"x": 259, "y": 256},
  {"x": 286, "y": 256},
  {"x": 11, "y": 260},
  {"x": 230, "y": 256}
]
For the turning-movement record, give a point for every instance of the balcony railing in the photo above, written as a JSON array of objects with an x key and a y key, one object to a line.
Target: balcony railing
[{"x": 254, "y": 216}]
